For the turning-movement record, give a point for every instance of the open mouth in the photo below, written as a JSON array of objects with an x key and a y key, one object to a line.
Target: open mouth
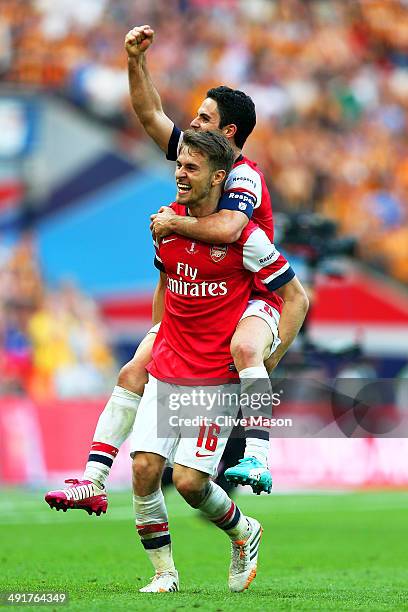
[{"x": 183, "y": 188}]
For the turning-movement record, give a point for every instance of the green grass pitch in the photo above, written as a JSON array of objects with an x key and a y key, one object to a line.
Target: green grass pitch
[{"x": 319, "y": 552}]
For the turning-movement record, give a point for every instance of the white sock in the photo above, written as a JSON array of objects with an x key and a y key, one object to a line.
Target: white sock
[
  {"x": 222, "y": 511},
  {"x": 255, "y": 381},
  {"x": 153, "y": 528},
  {"x": 255, "y": 447},
  {"x": 114, "y": 425}
]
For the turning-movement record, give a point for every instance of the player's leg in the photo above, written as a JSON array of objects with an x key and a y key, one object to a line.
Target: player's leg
[
  {"x": 254, "y": 339},
  {"x": 117, "y": 418},
  {"x": 214, "y": 503},
  {"x": 114, "y": 426},
  {"x": 191, "y": 476},
  {"x": 152, "y": 521},
  {"x": 149, "y": 455}
]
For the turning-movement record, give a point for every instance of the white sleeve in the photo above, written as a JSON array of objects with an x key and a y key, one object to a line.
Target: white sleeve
[
  {"x": 261, "y": 257},
  {"x": 258, "y": 251}
]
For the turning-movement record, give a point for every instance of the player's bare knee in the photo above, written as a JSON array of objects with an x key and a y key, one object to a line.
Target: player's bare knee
[
  {"x": 246, "y": 353},
  {"x": 146, "y": 473},
  {"x": 133, "y": 376}
]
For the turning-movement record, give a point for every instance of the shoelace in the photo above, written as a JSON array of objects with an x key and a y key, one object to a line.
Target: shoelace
[
  {"x": 154, "y": 578},
  {"x": 239, "y": 558},
  {"x": 157, "y": 577}
]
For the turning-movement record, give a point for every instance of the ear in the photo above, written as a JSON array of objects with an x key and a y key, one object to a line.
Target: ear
[
  {"x": 218, "y": 177},
  {"x": 229, "y": 130}
]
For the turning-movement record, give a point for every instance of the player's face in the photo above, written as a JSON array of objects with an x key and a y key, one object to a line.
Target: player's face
[
  {"x": 208, "y": 117},
  {"x": 193, "y": 177}
]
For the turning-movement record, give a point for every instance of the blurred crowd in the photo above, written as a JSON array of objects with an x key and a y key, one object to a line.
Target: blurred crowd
[
  {"x": 52, "y": 343},
  {"x": 329, "y": 79}
]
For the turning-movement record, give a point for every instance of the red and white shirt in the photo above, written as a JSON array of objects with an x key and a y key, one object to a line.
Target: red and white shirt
[
  {"x": 208, "y": 288},
  {"x": 245, "y": 190}
]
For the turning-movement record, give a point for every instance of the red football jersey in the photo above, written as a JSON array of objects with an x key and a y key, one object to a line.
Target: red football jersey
[
  {"x": 208, "y": 288},
  {"x": 245, "y": 190}
]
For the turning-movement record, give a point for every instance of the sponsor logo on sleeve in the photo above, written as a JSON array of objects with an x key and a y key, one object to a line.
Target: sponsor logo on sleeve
[
  {"x": 244, "y": 178},
  {"x": 268, "y": 258}
]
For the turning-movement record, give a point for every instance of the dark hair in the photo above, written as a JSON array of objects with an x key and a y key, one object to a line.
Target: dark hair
[
  {"x": 234, "y": 106},
  {"x": 213, "y": 145}
]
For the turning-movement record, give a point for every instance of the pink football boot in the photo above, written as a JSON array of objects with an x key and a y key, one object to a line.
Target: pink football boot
[{"x": 81, "y": 494}]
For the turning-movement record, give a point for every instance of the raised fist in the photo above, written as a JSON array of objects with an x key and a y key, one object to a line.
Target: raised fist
[{"x": 138, "y": 40}]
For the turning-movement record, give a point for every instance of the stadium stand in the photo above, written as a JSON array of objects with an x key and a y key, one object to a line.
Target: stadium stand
[
  {"x": 52, "y": 342},
  {"x": 329, "y": 80}
]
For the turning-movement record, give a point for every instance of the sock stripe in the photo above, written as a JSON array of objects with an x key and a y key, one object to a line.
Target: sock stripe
[
  {"x": 226, "y": 516},
  {"x": 234, "y": 521},
  {"x": 101, "y": 459},
  {"x": 260, "y": 434},
  {"x": 105, "y": 448},
  {"x": 152, "y": 536},
  {"x": 102, "y": 454},
  {"x": 156, "y": 542},
  {"x": 230, "y": 519},
  {"x": 152, "y": 528}
]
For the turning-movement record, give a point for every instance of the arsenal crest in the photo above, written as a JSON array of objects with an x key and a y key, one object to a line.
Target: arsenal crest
[{"x": 218, "y": 252}]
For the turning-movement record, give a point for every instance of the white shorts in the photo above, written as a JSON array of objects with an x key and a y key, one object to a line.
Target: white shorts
[
  {"x": 195, "y": 446},
  {"x": 263, "y": 310}
]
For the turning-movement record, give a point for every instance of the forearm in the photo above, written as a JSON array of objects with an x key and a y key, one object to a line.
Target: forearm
[
  {"x": 214, "y": 229},
  {"x": 146, "y": 102},
  {"x": 291, "y": 320},
  {"x": 158, "y": 300},
  {"x": 143, "y": 94}
]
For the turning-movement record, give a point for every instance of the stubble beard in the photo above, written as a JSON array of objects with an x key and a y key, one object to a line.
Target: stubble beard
[{"x": 200, "y": 199}]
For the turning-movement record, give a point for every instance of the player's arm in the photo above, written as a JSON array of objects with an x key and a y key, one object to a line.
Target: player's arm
[
  {"x": 242, "y": 194},
  {"x": 158, "y": 299},
  {"x": 144, "y": 96},
  {"x": 222, "y": 227},
  {"x": 294, "y": 310},
  {"x": 261, "y": 257},
  {"x": 159, "y": 292},
  {"x": 278, "y": 276}
]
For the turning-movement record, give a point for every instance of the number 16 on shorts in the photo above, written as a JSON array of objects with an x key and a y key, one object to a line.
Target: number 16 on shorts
[{"x": 207, "y": 439}]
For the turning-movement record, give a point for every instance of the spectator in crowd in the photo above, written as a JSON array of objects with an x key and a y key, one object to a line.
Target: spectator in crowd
[{"x": 52, "y": 343}]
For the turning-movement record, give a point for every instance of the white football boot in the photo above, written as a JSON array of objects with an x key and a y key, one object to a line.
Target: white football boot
[
  {"x": 244, "y": 558},
  {"x": 163, "y": 582}
]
